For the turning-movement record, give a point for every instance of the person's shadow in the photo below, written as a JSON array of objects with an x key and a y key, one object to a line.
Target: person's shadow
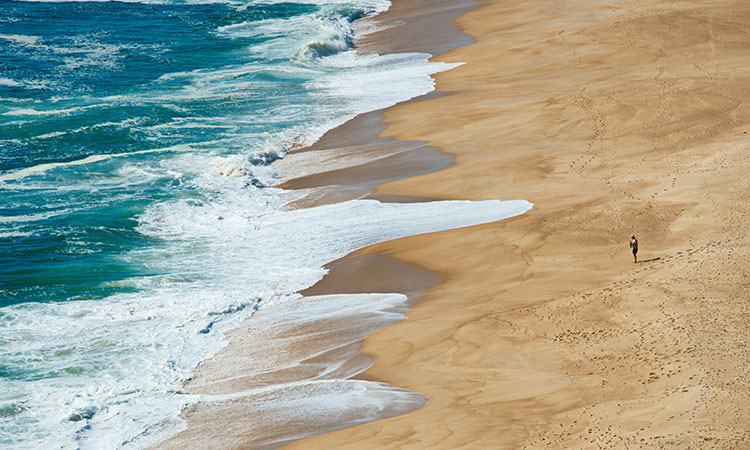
[{"x": 649, "y": 260}]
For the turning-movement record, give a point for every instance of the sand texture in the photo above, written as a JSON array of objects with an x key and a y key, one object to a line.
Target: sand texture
[{"x": 612, "y": 118}]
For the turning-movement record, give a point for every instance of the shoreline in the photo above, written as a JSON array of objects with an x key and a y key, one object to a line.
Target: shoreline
[
  {"x": 543, "y": 333},
  {"x": 362, "y": 160},
  {"x": 349, "y": 161}
]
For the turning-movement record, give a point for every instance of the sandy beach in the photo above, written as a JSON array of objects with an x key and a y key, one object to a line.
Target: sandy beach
[
  {"x": 624, "y": 117},
  {"x": 539, "y": 331}
]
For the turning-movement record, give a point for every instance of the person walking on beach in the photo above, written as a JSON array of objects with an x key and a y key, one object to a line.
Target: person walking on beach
[{"x": 634, "y": 247}]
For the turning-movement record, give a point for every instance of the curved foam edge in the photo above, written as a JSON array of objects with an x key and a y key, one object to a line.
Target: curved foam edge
[{"x": 288, "y": 375}]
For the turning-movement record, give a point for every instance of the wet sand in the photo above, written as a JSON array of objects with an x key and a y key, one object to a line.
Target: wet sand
[
  {"x": 620, "y": 118},
  {"x": 349, "y": 161},
  {"x": 259, "y": 394}
]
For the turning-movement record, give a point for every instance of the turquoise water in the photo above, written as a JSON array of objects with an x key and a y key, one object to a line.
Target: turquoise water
[
  {"x": 85, "y": 79},
  {"x": 138, "y": 217},
  {"x": 135, "y": 142}
]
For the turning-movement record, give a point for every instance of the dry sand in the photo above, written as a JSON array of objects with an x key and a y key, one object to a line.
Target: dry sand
[{"x": 616, "y": 118}]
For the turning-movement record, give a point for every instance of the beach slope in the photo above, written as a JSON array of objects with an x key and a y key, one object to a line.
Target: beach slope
[{"x": 612, "y": 118}]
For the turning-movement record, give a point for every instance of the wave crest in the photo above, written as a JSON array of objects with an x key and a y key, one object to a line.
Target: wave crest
[{"x": 336, "y": 35}]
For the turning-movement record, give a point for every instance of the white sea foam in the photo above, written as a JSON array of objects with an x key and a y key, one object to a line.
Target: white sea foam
[
  {"x": 41, "y": 168},
  {"x": 269, "y": 28},
  {"x": 20, "y": 39},
  {"x": 54, "y": 134},
  {"x": 146, "y": 2},
  {"x": 33, "y": 217},
  {"x": 398, "y": 77},
  {"x": 127, "y": 123},
  {"x": 14, "y": 234},
  {"x": 10, "y": 83},
  {"x": 294, "y": 374},
  {"x": 104, "y": 56},
  {"x": 224, "y": 257},
  {"x": 28, "y": 84},
  {"x": 115, "y": 366},
  {"x": 15, "y": 100},
  {"x": 374, "y": 5},
  {"x": 122, "y": 124},
  {"x": 52, "y": 112}
]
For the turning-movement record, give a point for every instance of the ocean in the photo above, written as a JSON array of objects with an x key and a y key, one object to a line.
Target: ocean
[{"x": 139, "y": 218}]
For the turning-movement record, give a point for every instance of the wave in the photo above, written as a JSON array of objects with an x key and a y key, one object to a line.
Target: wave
[
  {"x": 51, "y": 135},
  {"x": 32, "y": 217},
  {"x": 27, "y": 84},
  {"x": 114, "y": 367},
  {"x": 52, "y": 112},
  {"x": 14, "y": 234},
  {"x": 10, "y": 83},
  {"x": 36, "y": 112},
  {"x": 220, "y": 246},
  {"x": 41, "y": 168},
  {"x": 335, "y": 36},
  {"x": 20, "y": 39},
  {"x": 145, "y": 2}
]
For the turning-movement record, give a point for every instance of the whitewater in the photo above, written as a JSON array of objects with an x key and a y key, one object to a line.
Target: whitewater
[{"x": 140, "y": 222}]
